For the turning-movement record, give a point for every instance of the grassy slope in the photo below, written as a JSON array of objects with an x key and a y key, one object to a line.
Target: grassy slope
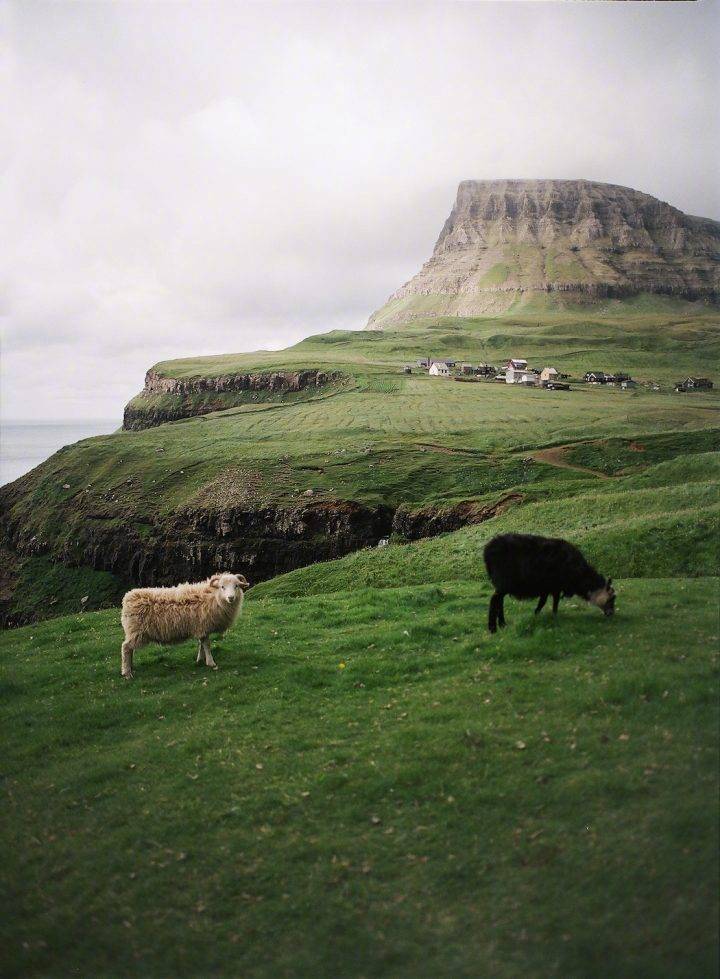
[
  {"x": 664, "y": 523},
  {"x": 370, "y": 785},
  {"x": 373, "y": 437},
  {"x": 624, "y": 335},
  {"x": 373, "y": 785},
  {"x": 383, "y": 437}
]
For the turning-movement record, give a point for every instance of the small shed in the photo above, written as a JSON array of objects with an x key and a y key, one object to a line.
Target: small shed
[
  {"x": 467, "y": 368},
  {"x": 549, "y": 374},
  {"x": 407, "y": 369}
]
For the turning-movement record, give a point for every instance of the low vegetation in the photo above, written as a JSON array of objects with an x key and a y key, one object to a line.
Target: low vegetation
[{"x": 371, "y": 785}]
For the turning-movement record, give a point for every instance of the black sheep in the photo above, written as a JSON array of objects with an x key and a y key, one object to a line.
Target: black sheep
[{"x": 526, "y": 566}]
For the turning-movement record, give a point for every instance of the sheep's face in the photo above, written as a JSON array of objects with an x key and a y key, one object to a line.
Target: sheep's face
[
  {"x": 229, "y": 586},
  {"x": 604, "y": 598}
]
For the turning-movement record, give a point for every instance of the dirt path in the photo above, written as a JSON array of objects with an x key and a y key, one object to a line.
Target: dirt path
[{"x": 555, "y": 457}]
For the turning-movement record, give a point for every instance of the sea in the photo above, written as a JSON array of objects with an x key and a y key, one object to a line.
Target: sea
[{"x": 24, "y": 445}]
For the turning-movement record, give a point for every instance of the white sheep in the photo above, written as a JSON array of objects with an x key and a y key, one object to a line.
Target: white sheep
[{"x": 172, "y": 615}]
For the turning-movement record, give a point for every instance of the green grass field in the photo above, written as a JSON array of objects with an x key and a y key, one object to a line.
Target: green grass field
[
  {"x": 371, "y": 785},
  {"x": 382, "y": 436}
]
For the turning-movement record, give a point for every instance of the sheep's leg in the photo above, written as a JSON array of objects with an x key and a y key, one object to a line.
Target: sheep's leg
[
  {"x": 541, "y": 604},
  {"x": 209, "y": 661},
  {"x": 127, "y": 660},
  {"x": 501, "y": 610},
  {"x": 492, "y": 615},
  {"x": 497, "y": 615},
  {"x": 200, "y": 658},
  {"x": 556, "y": 602}
]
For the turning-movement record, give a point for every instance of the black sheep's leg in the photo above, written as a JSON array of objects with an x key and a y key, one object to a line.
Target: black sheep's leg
[
  {"x": 556, "y": 602},
  {"x": 492, "y": 617},
  {"x": 501, "y": 610},
  {"x": 541, "y": 604}
]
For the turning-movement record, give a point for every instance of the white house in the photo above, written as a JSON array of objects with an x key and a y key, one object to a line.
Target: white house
[
  {"x": 520, "y": 377},
  {"x": 518, "y": 372},
  {"x": 439, "y": 368},
  {"x": 549, "y": 374}
]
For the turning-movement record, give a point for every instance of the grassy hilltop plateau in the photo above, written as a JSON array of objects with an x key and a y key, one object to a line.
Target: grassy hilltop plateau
[{"x": 371, "y": 784}]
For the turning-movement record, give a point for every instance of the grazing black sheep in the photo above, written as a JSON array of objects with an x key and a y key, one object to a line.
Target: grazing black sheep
[{"x": 526, "y": 566}]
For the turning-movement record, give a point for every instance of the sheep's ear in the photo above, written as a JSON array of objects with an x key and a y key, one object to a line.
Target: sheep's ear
[
  {"x": 215, "y": 581},
  {"x": 242, "y": 581}
]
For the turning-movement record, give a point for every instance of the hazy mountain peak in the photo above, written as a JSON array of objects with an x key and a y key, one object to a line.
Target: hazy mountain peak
[{"x": 506, "y": 240}]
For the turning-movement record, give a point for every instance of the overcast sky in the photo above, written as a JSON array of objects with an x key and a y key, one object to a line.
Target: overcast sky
[{"x": 180, "y": 179}]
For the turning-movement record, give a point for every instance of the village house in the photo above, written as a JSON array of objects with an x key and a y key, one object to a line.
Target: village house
[
  {"x": 597, "y": 377},
  {"x": 515, "y": 376},
  {"x": 628, "y": 384},
  {"x": 423, "y": 363},
  {"x": 549, "y": 374},
  {"x": 694, "y": 384},
  {"x": 518, "y": 372},
  {"x": 439, "y": 368}
]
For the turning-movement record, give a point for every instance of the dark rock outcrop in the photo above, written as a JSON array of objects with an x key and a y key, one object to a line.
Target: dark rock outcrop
[
  {"x": 166, "y": 399},
  {"x": 261, "y": 540},
  {"x": 431, "y": 520}
]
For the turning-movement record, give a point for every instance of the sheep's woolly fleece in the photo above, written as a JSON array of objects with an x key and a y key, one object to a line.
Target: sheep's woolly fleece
[{"x": 187, "y": 611}]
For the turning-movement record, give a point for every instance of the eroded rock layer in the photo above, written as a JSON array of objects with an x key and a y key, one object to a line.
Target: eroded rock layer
[
  {"x": 166, "y": 399},
  {"x": 507, "y": 240}
]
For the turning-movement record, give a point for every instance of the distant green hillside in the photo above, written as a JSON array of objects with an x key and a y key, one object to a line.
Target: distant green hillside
[
  {"x": 279, "y": 479},
  {"x": 627, "y": 332},
  {"x": 371, "y": 785}
]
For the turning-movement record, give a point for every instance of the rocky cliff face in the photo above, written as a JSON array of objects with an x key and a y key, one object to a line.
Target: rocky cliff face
[
  {"x": 192, "y": 543},
  {"x": 510, "y": 239},
  {"x": 166, "y": 399}
]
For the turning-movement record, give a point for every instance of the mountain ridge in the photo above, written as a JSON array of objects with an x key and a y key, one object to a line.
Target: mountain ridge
[{"x": 508, "y": 241}]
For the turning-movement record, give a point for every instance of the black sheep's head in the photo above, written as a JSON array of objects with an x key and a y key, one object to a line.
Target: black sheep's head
[{"x": 604, "y": 598}]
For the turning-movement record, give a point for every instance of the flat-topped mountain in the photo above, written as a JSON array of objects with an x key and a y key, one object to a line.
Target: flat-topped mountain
[{"x": 509, "y": 241}]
